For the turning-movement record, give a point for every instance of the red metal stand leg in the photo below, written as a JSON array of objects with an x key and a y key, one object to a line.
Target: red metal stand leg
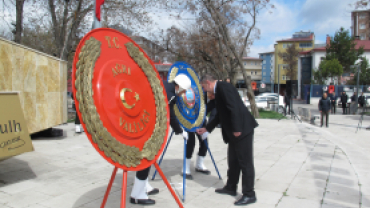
[
  {"x": 168, "y": 185},
  {"x": 109, "y": 187},
  {"x": 124, "y": 189}
]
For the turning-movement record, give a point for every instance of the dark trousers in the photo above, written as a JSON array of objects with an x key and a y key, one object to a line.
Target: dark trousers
[
  {"x": 77, "y": 119},
  {"x": 287, "y": 106},
  {"x": 240, "y": 159},
  {"x": 344, "y": 107},
  {"x": 191, "y": 145},
  {"x": 326, "y": 114},
  {"x": 333, "y": 108},
  {"x": 143, "y": 174}
]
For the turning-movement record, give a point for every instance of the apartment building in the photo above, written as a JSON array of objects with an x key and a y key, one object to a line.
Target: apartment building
[{"x": 360, "y": 24}]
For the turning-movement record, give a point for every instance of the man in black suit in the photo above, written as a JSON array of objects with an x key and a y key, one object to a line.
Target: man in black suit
[{"x": 237, "y": 125}]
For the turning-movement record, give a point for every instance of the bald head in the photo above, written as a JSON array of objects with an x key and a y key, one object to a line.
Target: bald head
[{"x": 325, "y": 95}]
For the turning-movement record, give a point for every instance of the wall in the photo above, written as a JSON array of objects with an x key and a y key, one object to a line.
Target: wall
[
  {"x": 267, "y": 67},
  {"x": 251, "y": 66},
  {"x": 41, "y": 80},
  {"x": 279, "y": 61}
]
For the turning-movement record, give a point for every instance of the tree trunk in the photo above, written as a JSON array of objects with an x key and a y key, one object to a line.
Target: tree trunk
[
  {"x": 250, "y": 95},
  {"x": 19, "y": 21}
]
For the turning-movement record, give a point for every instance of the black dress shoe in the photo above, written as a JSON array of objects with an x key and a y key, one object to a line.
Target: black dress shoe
[
  {"x": 244, "y": 200},
  {"x": 142, "y": 201},
  {"x": 225, "y": 191},
  {"x": 187, "y": 176},
  {"x": 153, "y": 192},
  {"x": 206, "y": 172}
]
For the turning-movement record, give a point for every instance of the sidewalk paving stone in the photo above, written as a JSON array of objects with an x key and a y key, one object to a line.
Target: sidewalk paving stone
[{"x": 296, "y": 165}]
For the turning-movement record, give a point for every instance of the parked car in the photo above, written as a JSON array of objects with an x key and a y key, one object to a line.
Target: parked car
[{"x": 261, "y": 100}]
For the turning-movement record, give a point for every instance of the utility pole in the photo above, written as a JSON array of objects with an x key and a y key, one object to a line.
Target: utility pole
[
  {"x": 278, "y": 85},
  {"x": 358, "y": 85}
]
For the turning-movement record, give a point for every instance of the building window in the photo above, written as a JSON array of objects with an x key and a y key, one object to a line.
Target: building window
[
  {"x": 286, "y": 77},
  {"x": 362, "y": 16},
  {"x": 284, "y": 56},
  {"x": 264, "y": 73},
  {"x": 362, "y": 26},
  {"x": 245, "y": 63},
  {"x": 251, "y": 73},
  {"x": 270, "y": 67},
  {"x": 362, "y": 36},
  {"x": 305, "y": 45},
  {"x": 286, "y": 45}
]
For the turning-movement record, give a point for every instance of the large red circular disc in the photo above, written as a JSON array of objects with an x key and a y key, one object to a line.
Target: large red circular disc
[{"x": 122, "y": 95}]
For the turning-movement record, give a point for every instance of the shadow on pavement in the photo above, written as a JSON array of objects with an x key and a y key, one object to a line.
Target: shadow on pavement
[
  {"x": 172, "y": 172},
  {"x": 11, "y": 174}
]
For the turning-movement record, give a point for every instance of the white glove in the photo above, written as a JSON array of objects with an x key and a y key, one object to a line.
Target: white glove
[
  {"x": 205, "y": 135},
  {"x": 185, "y": 135}
]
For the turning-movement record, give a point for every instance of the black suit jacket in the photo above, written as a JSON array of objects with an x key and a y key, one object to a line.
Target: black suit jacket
[
  {"x": 170, "y": 90},
  {"x": 232, "y": 114}
]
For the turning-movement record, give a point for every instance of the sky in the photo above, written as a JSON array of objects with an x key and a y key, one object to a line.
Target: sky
[{"x": 323, "y": 17}]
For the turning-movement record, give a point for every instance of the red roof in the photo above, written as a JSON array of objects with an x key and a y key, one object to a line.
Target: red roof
[{"x": 364, "y": 43}]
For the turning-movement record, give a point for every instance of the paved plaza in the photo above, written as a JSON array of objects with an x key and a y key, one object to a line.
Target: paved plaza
[{"x": 297, "y": 165}]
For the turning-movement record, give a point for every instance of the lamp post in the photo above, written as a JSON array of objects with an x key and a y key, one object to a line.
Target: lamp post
[
  {"x": 357, "y": 84},
  {"x": 278, "y": 83}
]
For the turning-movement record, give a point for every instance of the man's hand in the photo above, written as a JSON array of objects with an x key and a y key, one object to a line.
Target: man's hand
[
  {"x": 201, "y": 131},
  {"x": 185, "y": 135},
  {"x": 236, "y": 134}
]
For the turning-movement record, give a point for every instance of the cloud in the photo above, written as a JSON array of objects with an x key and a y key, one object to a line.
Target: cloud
[
  {"x": 256, "y": 49},
  {"x": 325, "y": 17},
  {"x": 278, "y": 20}
]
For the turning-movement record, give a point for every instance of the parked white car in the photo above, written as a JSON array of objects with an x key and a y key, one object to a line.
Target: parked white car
[{"x": 261, "y": 100}]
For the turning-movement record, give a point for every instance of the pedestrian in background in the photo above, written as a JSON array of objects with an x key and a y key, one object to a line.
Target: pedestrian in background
[
  {"x": 333, "y": 100},
  {"x": 361, "y": 101},
  {"x": 324, "y": 108},
  {"x": 344, "y": 99},
  {"x": 308, "y": 97},
  {"x": 353, "y": 97},
  {"x": 287, "y": 102}
]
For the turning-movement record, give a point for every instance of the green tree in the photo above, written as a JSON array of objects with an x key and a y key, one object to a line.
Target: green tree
[
  {"x": 342, "y": 47},
  {"x": 328, "y": 69},
  {"x": 318, "y": 77},
  {"x": 364, "y": 73}
]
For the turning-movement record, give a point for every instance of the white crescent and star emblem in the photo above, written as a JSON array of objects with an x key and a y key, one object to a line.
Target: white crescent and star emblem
[{"x": 123, "y": 99}]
